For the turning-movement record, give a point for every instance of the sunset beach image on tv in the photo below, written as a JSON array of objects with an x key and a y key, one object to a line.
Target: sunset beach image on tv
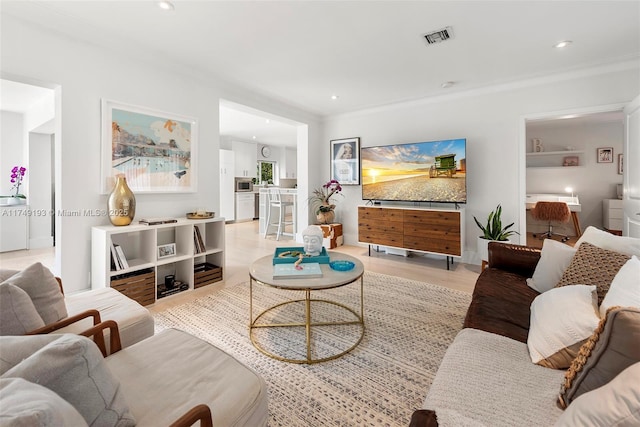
[{"x": 432, "y": 171}]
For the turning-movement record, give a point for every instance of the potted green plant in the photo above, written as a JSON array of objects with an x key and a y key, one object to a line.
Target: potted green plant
[{"x": 493, "y": 231}]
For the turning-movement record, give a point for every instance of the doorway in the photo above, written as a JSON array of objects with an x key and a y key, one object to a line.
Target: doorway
[
  {"x": 28, "y": 139},
  {"x": 560, "y": 161}
]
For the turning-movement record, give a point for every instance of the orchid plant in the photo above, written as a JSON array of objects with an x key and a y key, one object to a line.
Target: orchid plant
[
  {"x": 321, "y": 201},
  {"x": 17, "y": 175}
]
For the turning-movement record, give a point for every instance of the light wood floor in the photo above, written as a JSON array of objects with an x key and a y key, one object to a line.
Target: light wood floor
[{"x": 243, "y": 245}]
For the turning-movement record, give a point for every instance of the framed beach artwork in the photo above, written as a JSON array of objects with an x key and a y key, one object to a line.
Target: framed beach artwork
[
  {"x": 156, "y": 151},
  {"x": 345, "y": 161}
]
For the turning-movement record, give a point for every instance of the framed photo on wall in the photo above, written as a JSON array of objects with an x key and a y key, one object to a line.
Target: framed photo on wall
[
  {"x": 156, "y": 151},
  {"x": 620, "y": 164},
  {"x": 345, "y": 161},
  {"x": 605, "y": 155}
]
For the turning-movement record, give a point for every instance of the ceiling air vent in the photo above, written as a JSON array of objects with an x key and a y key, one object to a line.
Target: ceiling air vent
[{"x": 439, "y": 35}]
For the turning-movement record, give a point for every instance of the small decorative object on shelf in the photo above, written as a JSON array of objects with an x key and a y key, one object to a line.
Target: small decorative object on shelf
[
  {"x": 200, "y": 214},
  {"x": 571, "y": 161},
  {"x": 167, "y": 250},
  {"x": 537, "y": 145},
  {"x": 121, "y": 203},
  {"x": 156, "y": 221},
  {"x": 321, "y": 202}
]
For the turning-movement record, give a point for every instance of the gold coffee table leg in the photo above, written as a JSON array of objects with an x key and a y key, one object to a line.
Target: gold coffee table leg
[{"x": 308, "y": 324}]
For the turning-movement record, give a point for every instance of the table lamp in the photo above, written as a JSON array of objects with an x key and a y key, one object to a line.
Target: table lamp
[{"x": 569, "y": 190}]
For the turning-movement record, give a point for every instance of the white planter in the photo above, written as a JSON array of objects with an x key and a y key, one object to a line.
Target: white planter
[
  {"x": 483, "y": 247},
  {"x": 12, "y": 201}
]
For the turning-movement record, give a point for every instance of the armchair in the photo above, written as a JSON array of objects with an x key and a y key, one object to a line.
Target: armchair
[
  {"x": 33, "y": 302},
  {"x": 171, "y": 378}
]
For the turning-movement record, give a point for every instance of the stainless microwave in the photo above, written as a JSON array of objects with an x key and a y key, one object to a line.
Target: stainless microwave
[{"x": 244, "y": 185}]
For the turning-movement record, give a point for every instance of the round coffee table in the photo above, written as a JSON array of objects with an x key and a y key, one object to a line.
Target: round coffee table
[{"x": 261, "y": 271}]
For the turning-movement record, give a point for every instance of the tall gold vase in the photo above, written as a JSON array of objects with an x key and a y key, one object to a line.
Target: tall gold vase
[{"x": 122, "y": 203}]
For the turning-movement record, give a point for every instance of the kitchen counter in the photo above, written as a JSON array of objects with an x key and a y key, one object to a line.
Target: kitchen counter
[{"x": 287, "y": 194}]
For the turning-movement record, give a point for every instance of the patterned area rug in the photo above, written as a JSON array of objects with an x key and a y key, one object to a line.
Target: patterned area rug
[{"x": 409, "y": 326}]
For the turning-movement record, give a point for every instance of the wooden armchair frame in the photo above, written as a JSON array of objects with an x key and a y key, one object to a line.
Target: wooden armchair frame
[{"x": 199, "y": 412}]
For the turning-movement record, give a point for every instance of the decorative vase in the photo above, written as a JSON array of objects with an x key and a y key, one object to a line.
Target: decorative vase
[
  {"x": 122, "y": 203},
  {"x": 326, "y": 217},
  {"x": 483, "y": 247}
]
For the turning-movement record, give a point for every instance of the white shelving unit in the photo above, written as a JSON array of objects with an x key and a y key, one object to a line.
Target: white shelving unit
[
  {"x": 140, "y": 245},
  {"x": 553, "y": 159}
]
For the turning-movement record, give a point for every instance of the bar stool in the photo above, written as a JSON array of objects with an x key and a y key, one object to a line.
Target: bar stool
[{"x": 274, "y": 201}]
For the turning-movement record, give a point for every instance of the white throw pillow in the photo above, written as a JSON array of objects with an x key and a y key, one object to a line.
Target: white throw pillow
[
  {"x": 625, "y": 287},
  {"x": 616, "y": 403},
  {"x": 602, "y": 239},
  {"x": 43, "y": 289},
  {"x": 561, "y": 320},
  {"x": 554, "y": 260},
  {"x": 18, "y": 315},
  {"x": 25, "y": 403},
  {"x": 73, "y": 367}
]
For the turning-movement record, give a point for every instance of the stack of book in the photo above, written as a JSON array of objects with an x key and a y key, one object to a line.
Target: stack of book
[
  {"x": 156, "y": 221},
  {"x": 198, "y": 243},
  {"x": 118, "y": 260}
]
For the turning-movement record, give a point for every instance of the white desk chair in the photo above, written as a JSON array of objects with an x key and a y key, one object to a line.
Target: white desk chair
[{"x": 274, "y": 201}]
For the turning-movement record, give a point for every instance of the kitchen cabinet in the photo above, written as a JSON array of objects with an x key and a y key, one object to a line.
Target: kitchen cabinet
[
  {"x": 245, "y": 206},
  {"x": 227, "y": 184},
  {"x": 246, "y": 158},
  {"x": 14, "y": 227},
  {"x": 288, "y": 163}
]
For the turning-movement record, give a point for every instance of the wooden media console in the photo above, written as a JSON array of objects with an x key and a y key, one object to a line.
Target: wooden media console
[{"x": 435, "y": 231}]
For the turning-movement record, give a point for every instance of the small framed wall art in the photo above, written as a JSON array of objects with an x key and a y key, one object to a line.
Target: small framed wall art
[
  {"x": 345, "y": 161},
  {"x": 605, "y": 155},
  {"x": 167, "y": 250},
  {"x": 620, "y": 164},
  {"x": 156, "y": 151}
]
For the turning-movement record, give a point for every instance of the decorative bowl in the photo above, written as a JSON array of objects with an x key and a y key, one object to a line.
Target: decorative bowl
[{"x": 341, "y": 265}]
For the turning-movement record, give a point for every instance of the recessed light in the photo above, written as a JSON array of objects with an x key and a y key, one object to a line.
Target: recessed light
[
  {"x": 334, "y": 97},
  {"x": 166, "y": 5},
  {"x": 562, "y": 44},
  {"x": 254, "y": 137},
  {"x": 267, "y": 121},
  {"x": 447, "y": 85}
]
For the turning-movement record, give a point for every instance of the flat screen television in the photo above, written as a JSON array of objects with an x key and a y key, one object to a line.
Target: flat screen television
[{"x": 433, "y": 171}]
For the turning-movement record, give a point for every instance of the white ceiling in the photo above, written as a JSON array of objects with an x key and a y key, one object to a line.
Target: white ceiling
[{"x": 370, "y": 53}]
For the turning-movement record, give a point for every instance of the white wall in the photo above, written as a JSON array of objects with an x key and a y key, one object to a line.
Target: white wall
[
  {"x": 491, "y": 122},
  {"x": 11, "y": 148},
  {"x": 40, "y": 190},
  {"x": 592, "y": 182},
  {"x": 86, "y": 74}
]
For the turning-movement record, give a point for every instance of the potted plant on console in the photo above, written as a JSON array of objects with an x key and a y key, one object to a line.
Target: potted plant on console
[
  {"x": 493, "y": 231},
  {"x": 321, "y": 202}
]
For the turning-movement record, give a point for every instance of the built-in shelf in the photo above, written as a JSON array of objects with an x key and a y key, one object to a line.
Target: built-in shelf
[
  {"x": 553, "y": 159},
  {"x": 555, "y": 153},
  {"x": 144, "y": 278}
]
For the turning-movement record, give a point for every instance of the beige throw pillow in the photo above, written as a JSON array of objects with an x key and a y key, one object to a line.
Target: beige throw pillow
[
  {"x": 44, "y": 291},
  {"x": 612, "y": 348},
  {"x": 625, "y": 288},
  {"x": 592, "y": 265},
  {"x": 17, "y": 313},
  {"x": 561, "y": 320},
  {"x": 73, "y": 367},
  {"x": 616, "y": 403},
  {"x": 25, "y": 403},
  {"x": 554, "y": 260}
]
